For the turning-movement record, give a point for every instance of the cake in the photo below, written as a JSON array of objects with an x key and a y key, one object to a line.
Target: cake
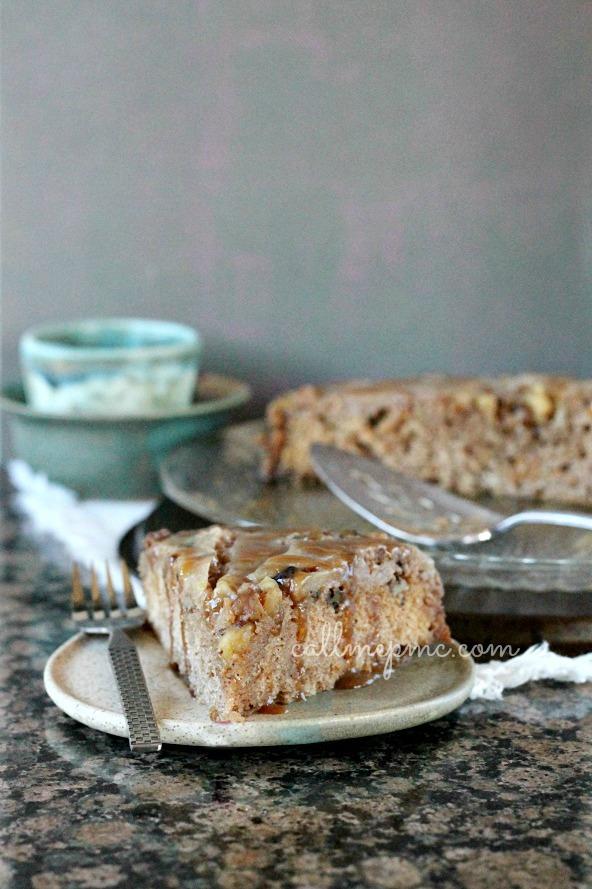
[
  {"x": 253, "y": 617},
  {"x": 524, "y": 436}
]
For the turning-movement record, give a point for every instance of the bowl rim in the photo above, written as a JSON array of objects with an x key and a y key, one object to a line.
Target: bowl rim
[
  {"x": 33, "y": 344},
  {"x": 220, "y": 393}
]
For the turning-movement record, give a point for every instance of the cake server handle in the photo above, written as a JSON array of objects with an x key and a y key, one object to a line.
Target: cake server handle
[
  {"x": 144, "y": 736},
  {"x": 580, "y": 520}
]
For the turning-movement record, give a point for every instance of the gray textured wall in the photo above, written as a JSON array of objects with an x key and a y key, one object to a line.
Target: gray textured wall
[{"x": 325, "y": 187}]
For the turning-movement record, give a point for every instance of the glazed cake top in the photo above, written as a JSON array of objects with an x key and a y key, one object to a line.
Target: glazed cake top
[
  {"x": 298, "y": 558},
  {"x": 440, "y": 384}
]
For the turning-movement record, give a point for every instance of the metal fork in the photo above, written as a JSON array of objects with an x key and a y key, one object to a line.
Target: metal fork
[{"x": 109, "y": 612}]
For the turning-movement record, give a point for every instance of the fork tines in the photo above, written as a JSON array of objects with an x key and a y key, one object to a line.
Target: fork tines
[
  {"x": 128, "y": 591},
  {"x": 95, "y": 602},
  {"x": 80, "y": 599}
]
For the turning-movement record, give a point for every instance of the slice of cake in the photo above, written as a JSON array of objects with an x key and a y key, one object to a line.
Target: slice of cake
[
  {"x": 253, "y": 617},
  {"x": 524, "y": 436}
]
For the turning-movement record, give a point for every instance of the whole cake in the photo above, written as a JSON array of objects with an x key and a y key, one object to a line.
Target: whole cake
[
  {"x": 254, "y": 617},
  {"x": 526, "y": 436}
]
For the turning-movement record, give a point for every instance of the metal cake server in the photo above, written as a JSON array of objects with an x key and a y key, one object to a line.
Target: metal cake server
[{"x": 417, "y": 511}]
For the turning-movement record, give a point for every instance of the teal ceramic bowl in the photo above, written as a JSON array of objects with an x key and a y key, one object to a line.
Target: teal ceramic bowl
[
  {"x": 109, "y": 366},
  {"x": 114, "y": 456}
]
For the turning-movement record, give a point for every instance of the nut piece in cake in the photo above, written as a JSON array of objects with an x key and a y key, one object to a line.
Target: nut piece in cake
[{"x": 253, "y": 617}]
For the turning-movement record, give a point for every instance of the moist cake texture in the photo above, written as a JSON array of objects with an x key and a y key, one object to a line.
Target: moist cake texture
[
  {"x": 253, "y": 617},
  {"x": 524, "y": 436}
]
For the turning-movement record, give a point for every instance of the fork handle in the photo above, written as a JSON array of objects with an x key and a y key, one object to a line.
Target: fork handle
[{"x": 144, "y": 736}]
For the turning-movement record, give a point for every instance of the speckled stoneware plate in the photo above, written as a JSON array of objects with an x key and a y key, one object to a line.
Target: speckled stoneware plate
[
  {"x": 218, "y": 478},
  {"x": 78, "y": 679}
]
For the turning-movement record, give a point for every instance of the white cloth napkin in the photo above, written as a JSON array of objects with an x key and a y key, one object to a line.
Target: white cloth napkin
[
  {"x": 91, "y": 529},
  {"x": 537, "y": 662}
]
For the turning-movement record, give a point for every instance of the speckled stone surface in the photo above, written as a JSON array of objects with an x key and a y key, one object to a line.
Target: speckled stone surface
[{"x": 495, "y": 795}]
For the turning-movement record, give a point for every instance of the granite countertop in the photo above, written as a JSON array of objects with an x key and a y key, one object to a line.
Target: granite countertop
[{"x": 494, "y": 795}]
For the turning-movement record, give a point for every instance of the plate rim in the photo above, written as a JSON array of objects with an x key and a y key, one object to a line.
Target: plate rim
[
  {"x": 237, "y": 392},
  {"x": 248, "y": 733}
]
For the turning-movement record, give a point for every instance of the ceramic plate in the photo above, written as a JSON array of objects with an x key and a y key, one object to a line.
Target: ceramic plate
[
  {"x": 218, "y": 478},
  {"x": 78, "y": 679}
]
